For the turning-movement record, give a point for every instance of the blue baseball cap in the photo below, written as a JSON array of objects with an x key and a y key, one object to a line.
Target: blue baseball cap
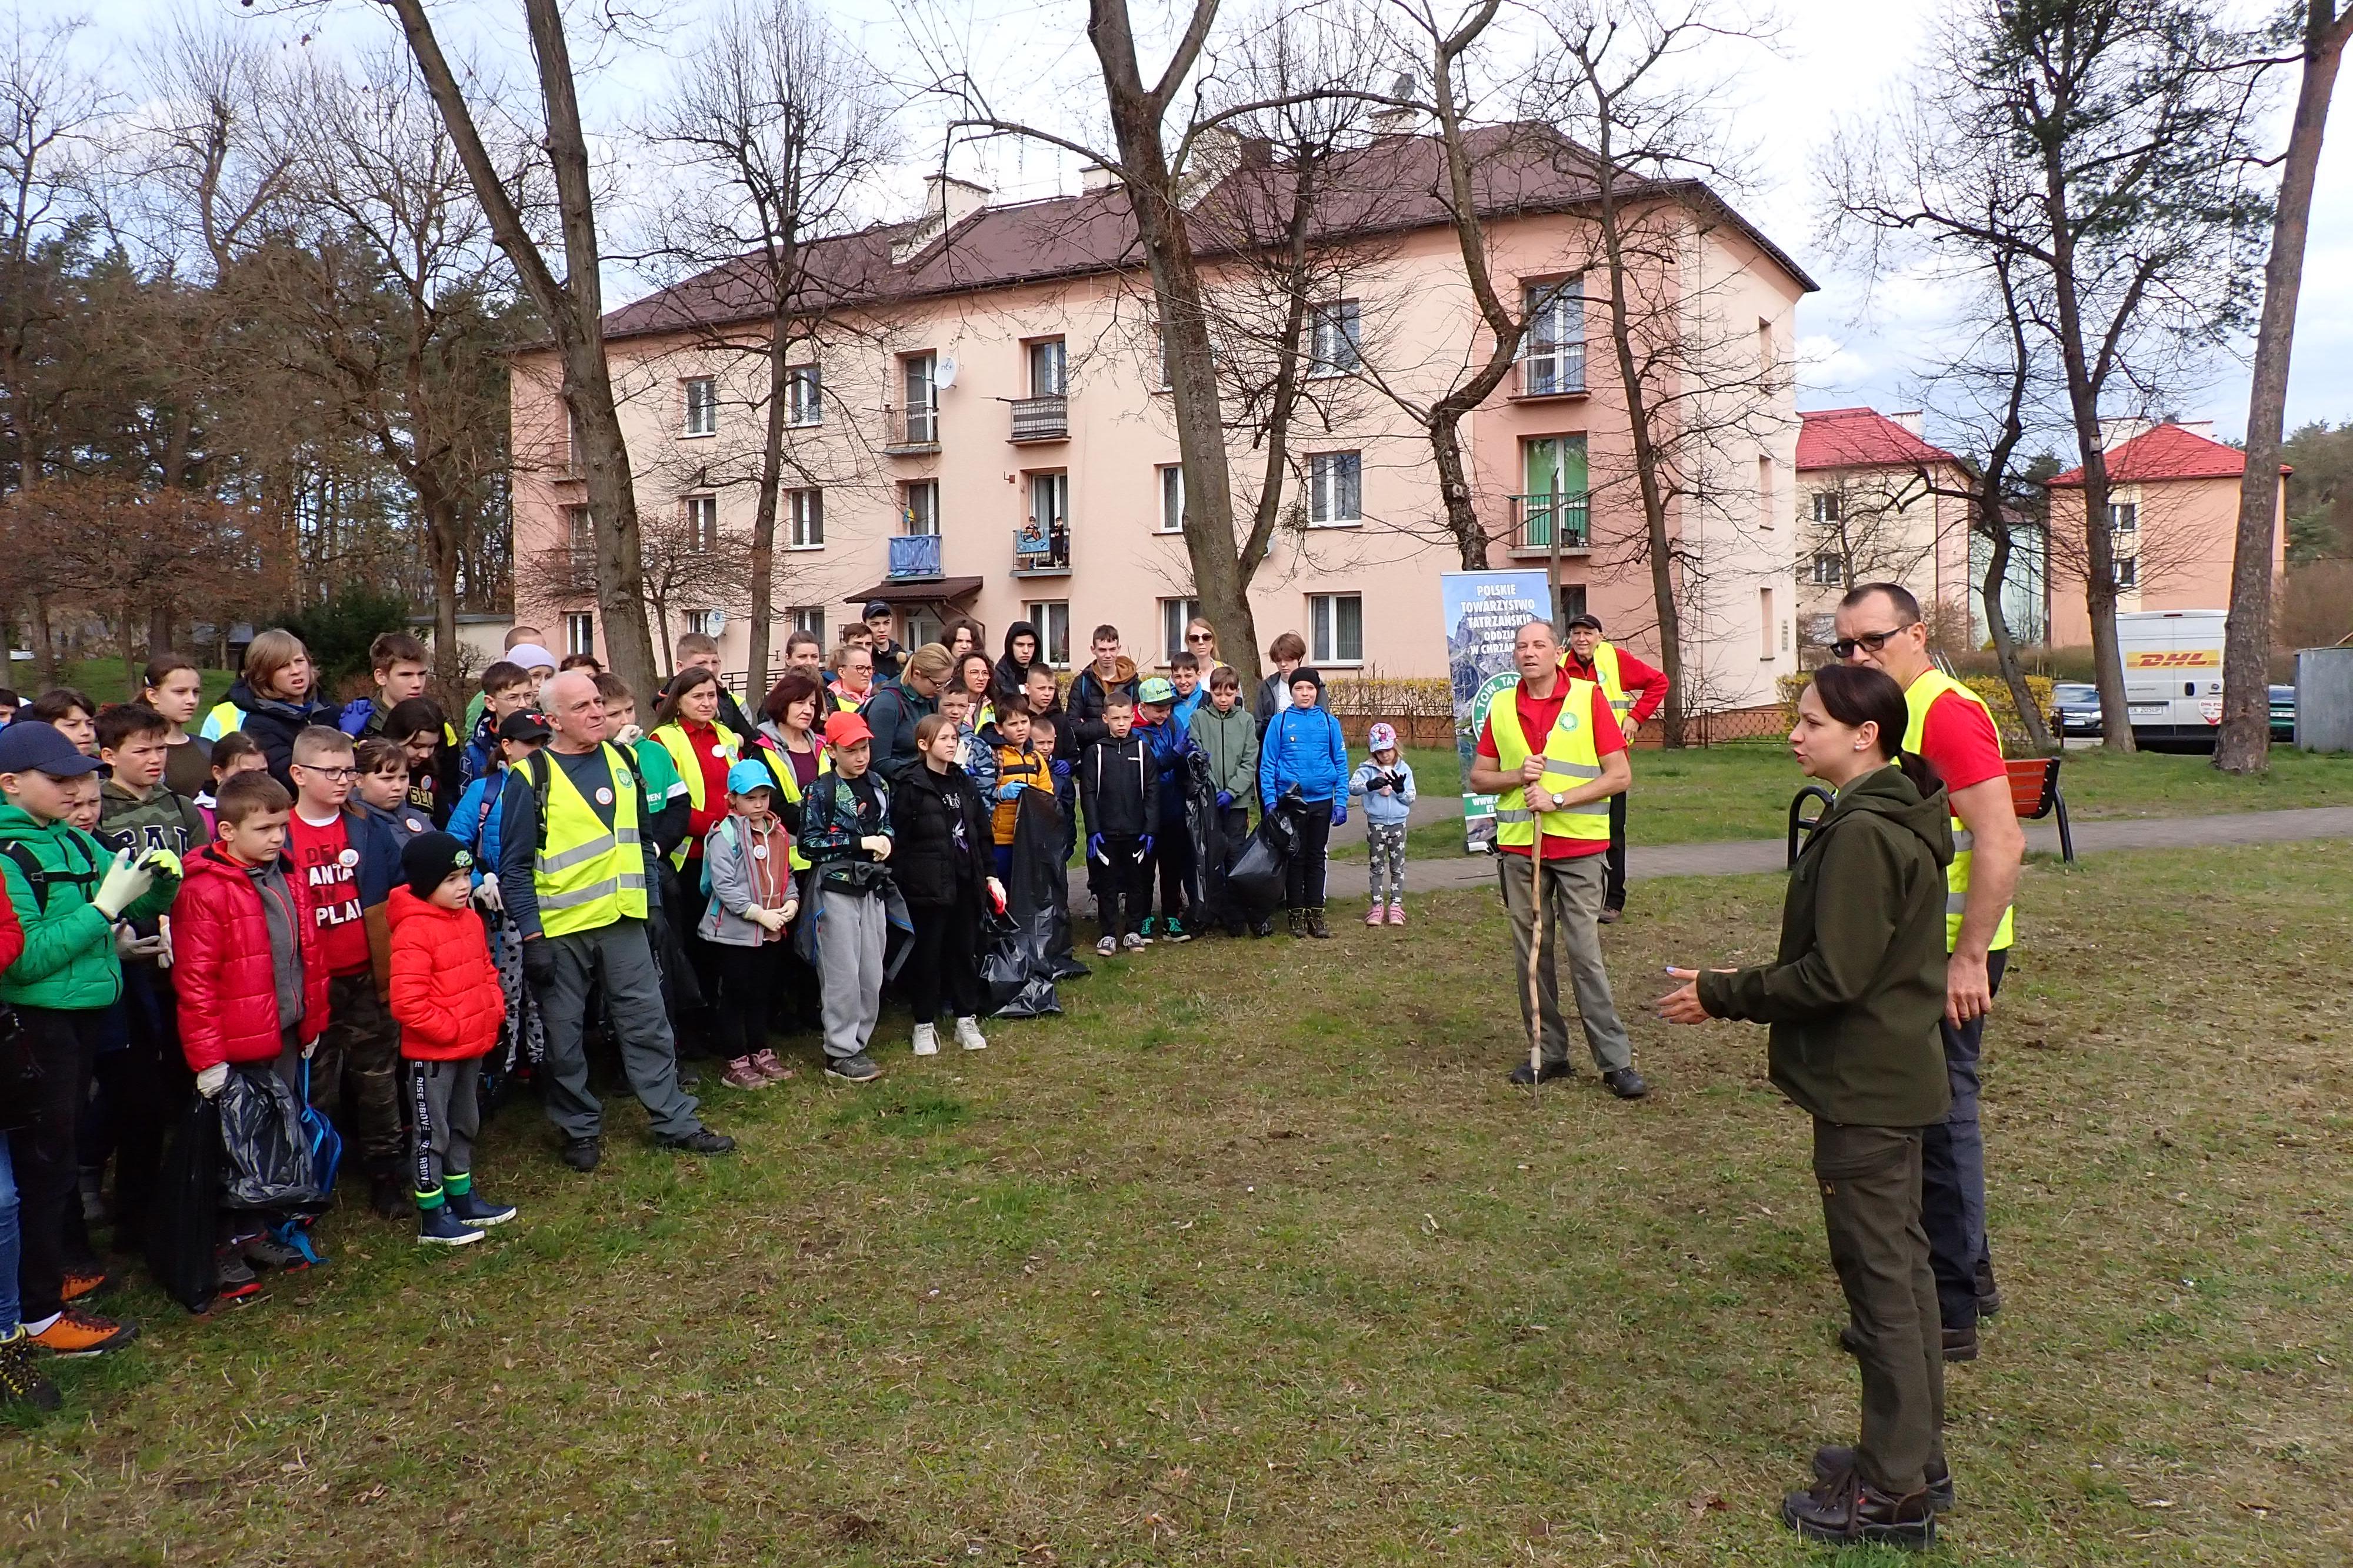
[
  {"x": 748, "y": 776},
  {"x": 30, "y": 746}
]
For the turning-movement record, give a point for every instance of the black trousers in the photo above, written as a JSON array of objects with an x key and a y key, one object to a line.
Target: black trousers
[
  {"x": 748, "y": 981},
  {"x": 48, "y": 1173},
  {"x": 1613, "y": 887},
  {"x": 1870, "y": 1178},
  {"x": 940, "y": 967},
  {"x": 1123, "y": 888},
  {"x": 145, "y": 1082},
  {"x": 1172, "y": 852},
  {"x": 1304, "y": 886}
]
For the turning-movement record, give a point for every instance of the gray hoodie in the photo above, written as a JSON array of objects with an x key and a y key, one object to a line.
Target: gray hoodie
[
  {"x": 285, "y": 939},
  {"x": 737, "y": 873}
]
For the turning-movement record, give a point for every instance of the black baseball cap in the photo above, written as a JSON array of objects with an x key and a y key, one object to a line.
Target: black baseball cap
[
  {"x": 30, "y": 746},
  {"x": 523, "y": 725},
  {"x": 1592, "y": 623},
  {"x": 876, "y": 608}
]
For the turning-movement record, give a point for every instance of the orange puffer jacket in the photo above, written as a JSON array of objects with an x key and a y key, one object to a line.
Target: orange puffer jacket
[{"x": 444, "y": 989}]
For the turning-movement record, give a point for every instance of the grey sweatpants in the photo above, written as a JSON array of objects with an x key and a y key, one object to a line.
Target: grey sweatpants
[
  {"x": 1572, "y": 915},
  {"x": 623, "y": 953},
  {"x": 851, "y": 930},
  {"x": 445, "y": 1111},
  {"x": 1384, "y": 861}
]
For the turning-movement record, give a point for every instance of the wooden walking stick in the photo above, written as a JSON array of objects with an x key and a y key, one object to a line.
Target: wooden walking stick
[{"x": 1536, "y": 956}]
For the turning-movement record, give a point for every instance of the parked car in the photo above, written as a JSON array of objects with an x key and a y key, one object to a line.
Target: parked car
[
  {"x": 2283, "y": 712},
  {"x": 2075, "y": 708}
]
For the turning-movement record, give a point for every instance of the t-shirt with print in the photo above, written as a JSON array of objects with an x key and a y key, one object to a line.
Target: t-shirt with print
[
  {"x": 1538, "y": 716},
  {"x": 329, "y": 864}
]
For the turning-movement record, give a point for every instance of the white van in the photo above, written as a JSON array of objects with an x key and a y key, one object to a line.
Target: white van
[{"x": 2173, "y": 675}]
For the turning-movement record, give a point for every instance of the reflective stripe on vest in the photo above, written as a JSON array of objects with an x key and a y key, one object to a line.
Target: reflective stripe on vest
[
  {"x": 1571, "y": 758},
  {"x": 1613, "y": 684},
  {"x": 780, "y": 766},
  {"x": 586, "y": 875},
  {"x": 1918, "y": 698},
  {"x": 673, "y": 739},
  {"x": 224, "y": 718}
]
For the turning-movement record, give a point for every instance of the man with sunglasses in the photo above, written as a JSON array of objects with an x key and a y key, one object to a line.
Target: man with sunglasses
[{"x": 1879, "y": 624}]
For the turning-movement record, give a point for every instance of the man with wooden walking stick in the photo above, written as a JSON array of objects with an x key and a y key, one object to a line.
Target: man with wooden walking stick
[{"x": 1553, "y": 755}]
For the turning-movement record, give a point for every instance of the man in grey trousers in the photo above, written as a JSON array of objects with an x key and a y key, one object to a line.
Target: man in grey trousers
[{"x": 576, "y": 874}]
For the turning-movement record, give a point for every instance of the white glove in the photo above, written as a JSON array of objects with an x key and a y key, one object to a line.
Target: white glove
[
  {"x": 212, "y": 1080},
  {"x": 124, "y": 886},
  {"x": 767, "y": 919},
  {"x": 996, "y": 892},
  {"x": 877, "y": 845},
  {"x": 792, "y": 907},
  {"x": 488, "y": 895},
  {"x": 627, "y": 735}
]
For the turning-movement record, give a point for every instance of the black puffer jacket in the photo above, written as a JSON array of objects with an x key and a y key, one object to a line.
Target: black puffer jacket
[
  {"x": 273, "y": 724},
  {"x": 941, "y": 848}
]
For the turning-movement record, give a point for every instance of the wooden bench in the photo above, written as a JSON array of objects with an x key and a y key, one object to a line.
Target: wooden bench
[{"x": 2034, "y": 794}]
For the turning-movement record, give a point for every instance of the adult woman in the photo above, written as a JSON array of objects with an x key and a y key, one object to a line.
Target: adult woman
[
  {"x": 686, "y": 724},
  {"x": 272, "y": 699},
  {"x": 1013, "y": 667},
  {"x": 1201, "y": 642},
  {"x": 961, "y": 636},
  {"x": 1853, "y": 999},
  {"x": 976, "y": 675},
  {"x": 789, "y": 744},
  {"x": 941, "y": 858},
  {"x": 173, "y": 687},
  {"x": 893, "y": 711}
]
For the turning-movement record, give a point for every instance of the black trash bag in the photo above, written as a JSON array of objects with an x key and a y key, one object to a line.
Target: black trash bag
[
  {"x": 681, "y": 992},
  {"x": 1004, "y": 965},
  {"x": 1038, "y": 893},
  {"x": 185, "y": 1223},
  {"x": 1255, "y": 882},
  {"x": 266, "y": 1161},
  {"x": 1205, "y": 892}
]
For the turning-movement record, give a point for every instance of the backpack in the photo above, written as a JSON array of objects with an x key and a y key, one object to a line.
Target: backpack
[
  {"x": 538, "y": 770},
  {"x": 727, "y": 826},
  {"x": 38, "y": 879}
]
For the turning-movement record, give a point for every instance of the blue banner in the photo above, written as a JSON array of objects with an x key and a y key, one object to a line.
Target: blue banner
[{"x": 1483, "y": 611}]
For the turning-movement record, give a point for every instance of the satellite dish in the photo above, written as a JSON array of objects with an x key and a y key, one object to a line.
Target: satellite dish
[{"x": 946, "y": 375}]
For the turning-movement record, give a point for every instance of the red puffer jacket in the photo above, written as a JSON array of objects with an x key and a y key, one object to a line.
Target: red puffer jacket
[
  {"x": 444, "y": 989},
  {"x": 221, "y": 964},
  {"x": 12, "y": 934}
]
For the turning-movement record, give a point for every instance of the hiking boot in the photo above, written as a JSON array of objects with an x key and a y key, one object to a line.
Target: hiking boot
[
  {"x": 74, "y": 1332},
  {"x": 701, "y": 1140},
  {"x": 1316, "y": 926},
  {"x": 388, "y": 1195},
  {"x": 1845, "y": 1510},
  {"x": 1136, "y": 942},
  {"x": 860, "y": 1068},
  {"x": 1297, "y": 920},
  {"x": 1960, "y": 1345},
  {"x": 1378, "y": 913},
  {"x": 1609, "y": 916},
  {"x": 581, "y": 1153},
  {"x": 969, "y": 1035},
  {"x": 771, "y": 1068},
  {"x": 1829, "y": 1461},
  {"x": 741, "y": 1074},
  {"x": 1106, "y": 947},
  {"x": 1262, "y": 927},
  {"x": 1174, "y": 930},
  {"x": 1396, "y": 911},
  {"x": 475, "y": 1211},
  {"x": 1988, "y": 1293},
  {"x": 233, "y": 1277},
  {"x": 84, "y": 1281},
  {"x": 265, "y": 1251},
  {"x": 1626, "y": 1084},
  {"x": 22, "y": 1383},
  {"x": 927, "y": 1038},
  {"x": 1523, "y": 1077},
  {"x": 437, "y": 1226}
]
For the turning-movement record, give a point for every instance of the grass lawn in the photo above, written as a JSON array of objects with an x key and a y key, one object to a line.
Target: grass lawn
[
  {"x": 101, "y": 679},
  {"x": 1252, "y": 1257}
]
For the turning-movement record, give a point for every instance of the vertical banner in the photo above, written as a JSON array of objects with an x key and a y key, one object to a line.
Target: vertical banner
[{"x": 1483, "y": 611}]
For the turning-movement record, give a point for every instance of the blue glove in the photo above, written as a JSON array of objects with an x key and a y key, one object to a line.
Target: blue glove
[
  {"x": 1339, "y": 812},
  {"x": 1008, "y": 792},
  {"x": 1061, "y": 770},
  {"x": 1225, "y": 798},
  {"x": 1095, "y": 848},
  {"x": 1144, "y": 845}
]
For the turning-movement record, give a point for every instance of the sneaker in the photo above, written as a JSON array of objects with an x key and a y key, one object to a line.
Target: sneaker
[
  {"x": 1151, "y": 924},
  {"x": 741, "y": 1074},
  {"x": 701, "y": 1140},
  {"x": 581, "y": 1153},
  {"x": 1136, "y": 942},
  {"x": 1830, "y": 1461},
  {"x": 437, "y": 1226},
  {"x": 265, "y": 1251},
  {"x": 1262, "y": 928},
  {"x": 928, "y": 1039},
  {"x": 83, "y": 1282},
  {"x": 295, "y": 1234},
  {"x": 1609, "y": 916},
  {"x": 860, "y": 1068},
  {"x": 969, "y": 1035},
  {"x": 774, "y": 1070},
  {"x": 233, "y": 1277},
  {"x": 1397, "y": 912},
  {"x": 1174, "y": 930},
  {"x": 1377, "y": 914},
  {"x": 22, "y": 1383},
  {"x": 474, "y": 1210},
  {"x": 1626, "y": 1084},
  {"x": 1523, "y": 1077},
  {"x": 1106, "y": 947},
  {"x": 74, "y": 1332}
]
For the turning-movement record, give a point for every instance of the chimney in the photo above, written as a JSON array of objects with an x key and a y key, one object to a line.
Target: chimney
[
  {"x": 1095, "y": 177},
  {"x": 1391, "y": 120},
  {"x": 2120, "y": 428},
  {"x": 1912, "y": 420},
  {"x": 947, "y": 202},
  {"x": 2198, "y": 426}
]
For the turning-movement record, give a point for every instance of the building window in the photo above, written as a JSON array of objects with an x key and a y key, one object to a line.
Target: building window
[
  {"x": 1765, "y": 623},
  {"x": 1338, "y": 340},
  {"x": 1048, "y": 368},
  {"x": 703, "y": 522},
  {"x": 1172, "y": 497},
  {"x": 1830, "y": 569},
  {"x": 804, "y": 396},
  {"x": 1335, "y": 628},
  {"x": 1827, "y": 507},
  {"x": 1336, "y": 489},
  {"x": 1174, "y": 614},
  {"x": 922, "y": 626},
  {"x": 1552, "y": 352},
  {"x": 701, "y": 406},
  {"x": 575, "y": 445},
  {"x": 1053, "y": 619},
  {"x": 1766, "y": 515},
  {"x": 580, "y": 531},
  {"x": 2124, "y": 517},
  {"x": 2127, "y": 571},
  {"x": 580, "y": 632},
  {"x": 709, "y": 622},
  {"x": 1572, "y": 602},
  {"x": 917, "y": 382},
  {"x": 805, "y": 509},
  {"x": 809, "y": 618},
  {"x": 1765, "y": 359},
  {"x": 1049, "y": 501},
  {"x": 920, "y": 506}
]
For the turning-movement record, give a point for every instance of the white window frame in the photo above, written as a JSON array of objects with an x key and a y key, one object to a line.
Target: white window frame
[
  {"x": 579, "y": 530},
  {"x": 1174, "y": 616},
  {"x": 1830, "y": 569},
  {"x": 2124, "y": 517},
  {"x": 1053, "y": 619},
  {"x": 912, "y": 517},
  {"x": 1172, "y": 499},
  {"x": 1054, "y": 485},
  {"x": 804, "y": 396},
  {"x": 809, "y": 618},
  {"x": 1336, "y": 339},
  {"x": 1553, "y": 329},
  {"x": 1323, "y": 630},
  {"x": 1827, "y": 505},
  {"x": 580, "y": 631},
  {"x": 709, "y": 622},
  {"x": 702, "y": 417},
  {"x": 703, "y": 521},
  {"x": 1335, "y": 489},
  {"x": 804, "y": 518},
  {"x": 2128, "y": 572},
  {"x": 1052, "y": 353}
]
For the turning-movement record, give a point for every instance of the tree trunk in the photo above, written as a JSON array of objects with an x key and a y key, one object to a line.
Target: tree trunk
[
  {"x": 2244, "y": 744},
  {"x": 1454, "y": 487},
  {"x": 764, "y": 507},
  {"x": 1647, "y": 466},
  {"x": 45, "y": 648},
  {"x": 159, "y": 624},
  {"x": 2005, "y": 646}
]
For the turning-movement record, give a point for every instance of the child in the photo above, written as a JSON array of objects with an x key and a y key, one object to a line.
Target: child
[
  {"x": 976, "y": 756},
  {"x": 381, "y": 792},
  {"x": 888, "y": 654},
  {"x": 507, "y": 688},
  {"x": 415, "y": 723},
  {"x": 846, "y": 839},
  {"x": 1052, "y": 732},
  {"x": 1018, "y": 765},
  {"x": 1228, "y": 735},
  {"x": 939, "y": 827},
  {"x": 74, "y": 715},
  {"x": 1185, "y": 675},
  {"x": 9, "y": 703},
  {"x": 669, "y": 806},
  {"x": 272, "y": 700},
  {"x": 447, "y": 999},
  {"x": 1301, "y": 750},
  {"x": 1113, "y": 673},
  {"x": 747, "y": 870},
  {"x": 252, "y": 981},
  {"x": 474, "y": 823},
  {"x": 1386, "y": 783},
  {"x": 1119, "y": 789},
  {"x": 1171, "y": 747},
  {"x": 67, "y": 893},
  {"x": 348, "y": 864},
  {"x": 399, "y": 663},
  {"x": 174, "y": 688}
]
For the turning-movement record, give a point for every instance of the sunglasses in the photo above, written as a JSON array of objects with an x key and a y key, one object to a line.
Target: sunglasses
[
  {"x": 1869, "y": 642},
  {"x": 1197, "y": 636}
]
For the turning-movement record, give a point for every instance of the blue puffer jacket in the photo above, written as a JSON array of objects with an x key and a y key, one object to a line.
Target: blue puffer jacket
[
  {"x": 1303, "y": 746},
  {"x": 1168, "y": 744}
]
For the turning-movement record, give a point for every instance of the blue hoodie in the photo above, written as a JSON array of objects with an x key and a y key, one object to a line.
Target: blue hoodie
[
  {"x": 1168, "y": 744},
  {"x": 1303, "y": 746},
  {"x": 1385, "y": 806}
]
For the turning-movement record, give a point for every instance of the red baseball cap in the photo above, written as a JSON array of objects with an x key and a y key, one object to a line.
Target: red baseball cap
[{"x": 845, "y": 729}]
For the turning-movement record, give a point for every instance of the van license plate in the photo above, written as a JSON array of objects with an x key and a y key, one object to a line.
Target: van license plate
[{"x": 2148, "y": 710}]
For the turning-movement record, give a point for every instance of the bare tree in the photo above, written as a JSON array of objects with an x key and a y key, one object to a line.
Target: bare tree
[
  {"x": 1864, "y": 521},
  {"x": 48, "y": 113}
]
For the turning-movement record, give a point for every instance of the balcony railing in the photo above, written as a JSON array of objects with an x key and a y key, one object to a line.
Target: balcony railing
[
  {"x": 1041, "y": 419},
  {"x": 1559, "y": 372},
  {"x": 915, "y": 555},
  {"x": 1535, "y": 518},
  {"x": 912, "y": 430},
  {"x": 1039, "y": 551}
]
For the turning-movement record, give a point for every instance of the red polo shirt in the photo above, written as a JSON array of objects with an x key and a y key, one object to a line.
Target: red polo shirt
[{"x": 1538, "y": 716}]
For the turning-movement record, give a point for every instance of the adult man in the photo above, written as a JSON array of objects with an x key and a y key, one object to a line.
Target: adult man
[
  {"x": 889, "y": 656},
  {"x": 700, "y": 651},
  {"x": 574, "y": 868},
  {"x": 1879, "y": 624},
  {"x": 1635, "y": 691},
  {"x": 1553, "y": 753}
]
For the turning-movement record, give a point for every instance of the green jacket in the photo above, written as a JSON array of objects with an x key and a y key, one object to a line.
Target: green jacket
[
  {"x": 1231, "y": 742},
  {"x": 1856, "y": 992},
  {"x": 68, "y": 963}
]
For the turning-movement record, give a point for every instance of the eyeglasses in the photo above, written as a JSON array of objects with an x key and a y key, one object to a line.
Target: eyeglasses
[
  {"x": 332, "y": 775},
  {"x": 1197, "y": 636},
  {"x": 1869, "y": 642}
]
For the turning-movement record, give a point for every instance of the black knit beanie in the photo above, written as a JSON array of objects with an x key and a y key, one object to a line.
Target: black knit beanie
[{"x": 428, "y": 861}]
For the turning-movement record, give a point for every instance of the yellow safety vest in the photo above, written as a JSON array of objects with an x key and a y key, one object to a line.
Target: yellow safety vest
[
  {"x": 672, "y": 737},
  {"x": 1919, "y": 697},
  {"x": 1612, "y": 682},
  {"x": 224, "y": 718},
  {"x": 1571, "y": 756},
  {"x": 587, "y": 875},
  {"x": 788, "y": 786}
]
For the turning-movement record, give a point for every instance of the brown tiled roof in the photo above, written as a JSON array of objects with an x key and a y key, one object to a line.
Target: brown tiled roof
[{"x": 1392, "y": 184}]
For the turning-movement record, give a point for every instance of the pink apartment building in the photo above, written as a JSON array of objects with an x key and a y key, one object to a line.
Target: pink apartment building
[
  {"x": 978, "y": 428},
  {"x": 1877, "y": 503}
]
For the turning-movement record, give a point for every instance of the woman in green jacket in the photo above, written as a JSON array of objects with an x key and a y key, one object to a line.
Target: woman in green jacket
[{"x": 1853, "y": 999}]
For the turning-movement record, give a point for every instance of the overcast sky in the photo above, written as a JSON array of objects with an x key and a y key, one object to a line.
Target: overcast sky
[{"x": 1834, "y": 58}]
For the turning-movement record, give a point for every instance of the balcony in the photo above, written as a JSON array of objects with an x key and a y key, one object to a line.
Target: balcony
[
  {"x": 914, "y": 557},
  {"x": 1041, "y": 419},
  {"x": 910, "y": 432},
  {"x": 1536, "y": 520},
  {"x": 1557, "y": 372},
  {"x": 1042, "y": 551}
]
